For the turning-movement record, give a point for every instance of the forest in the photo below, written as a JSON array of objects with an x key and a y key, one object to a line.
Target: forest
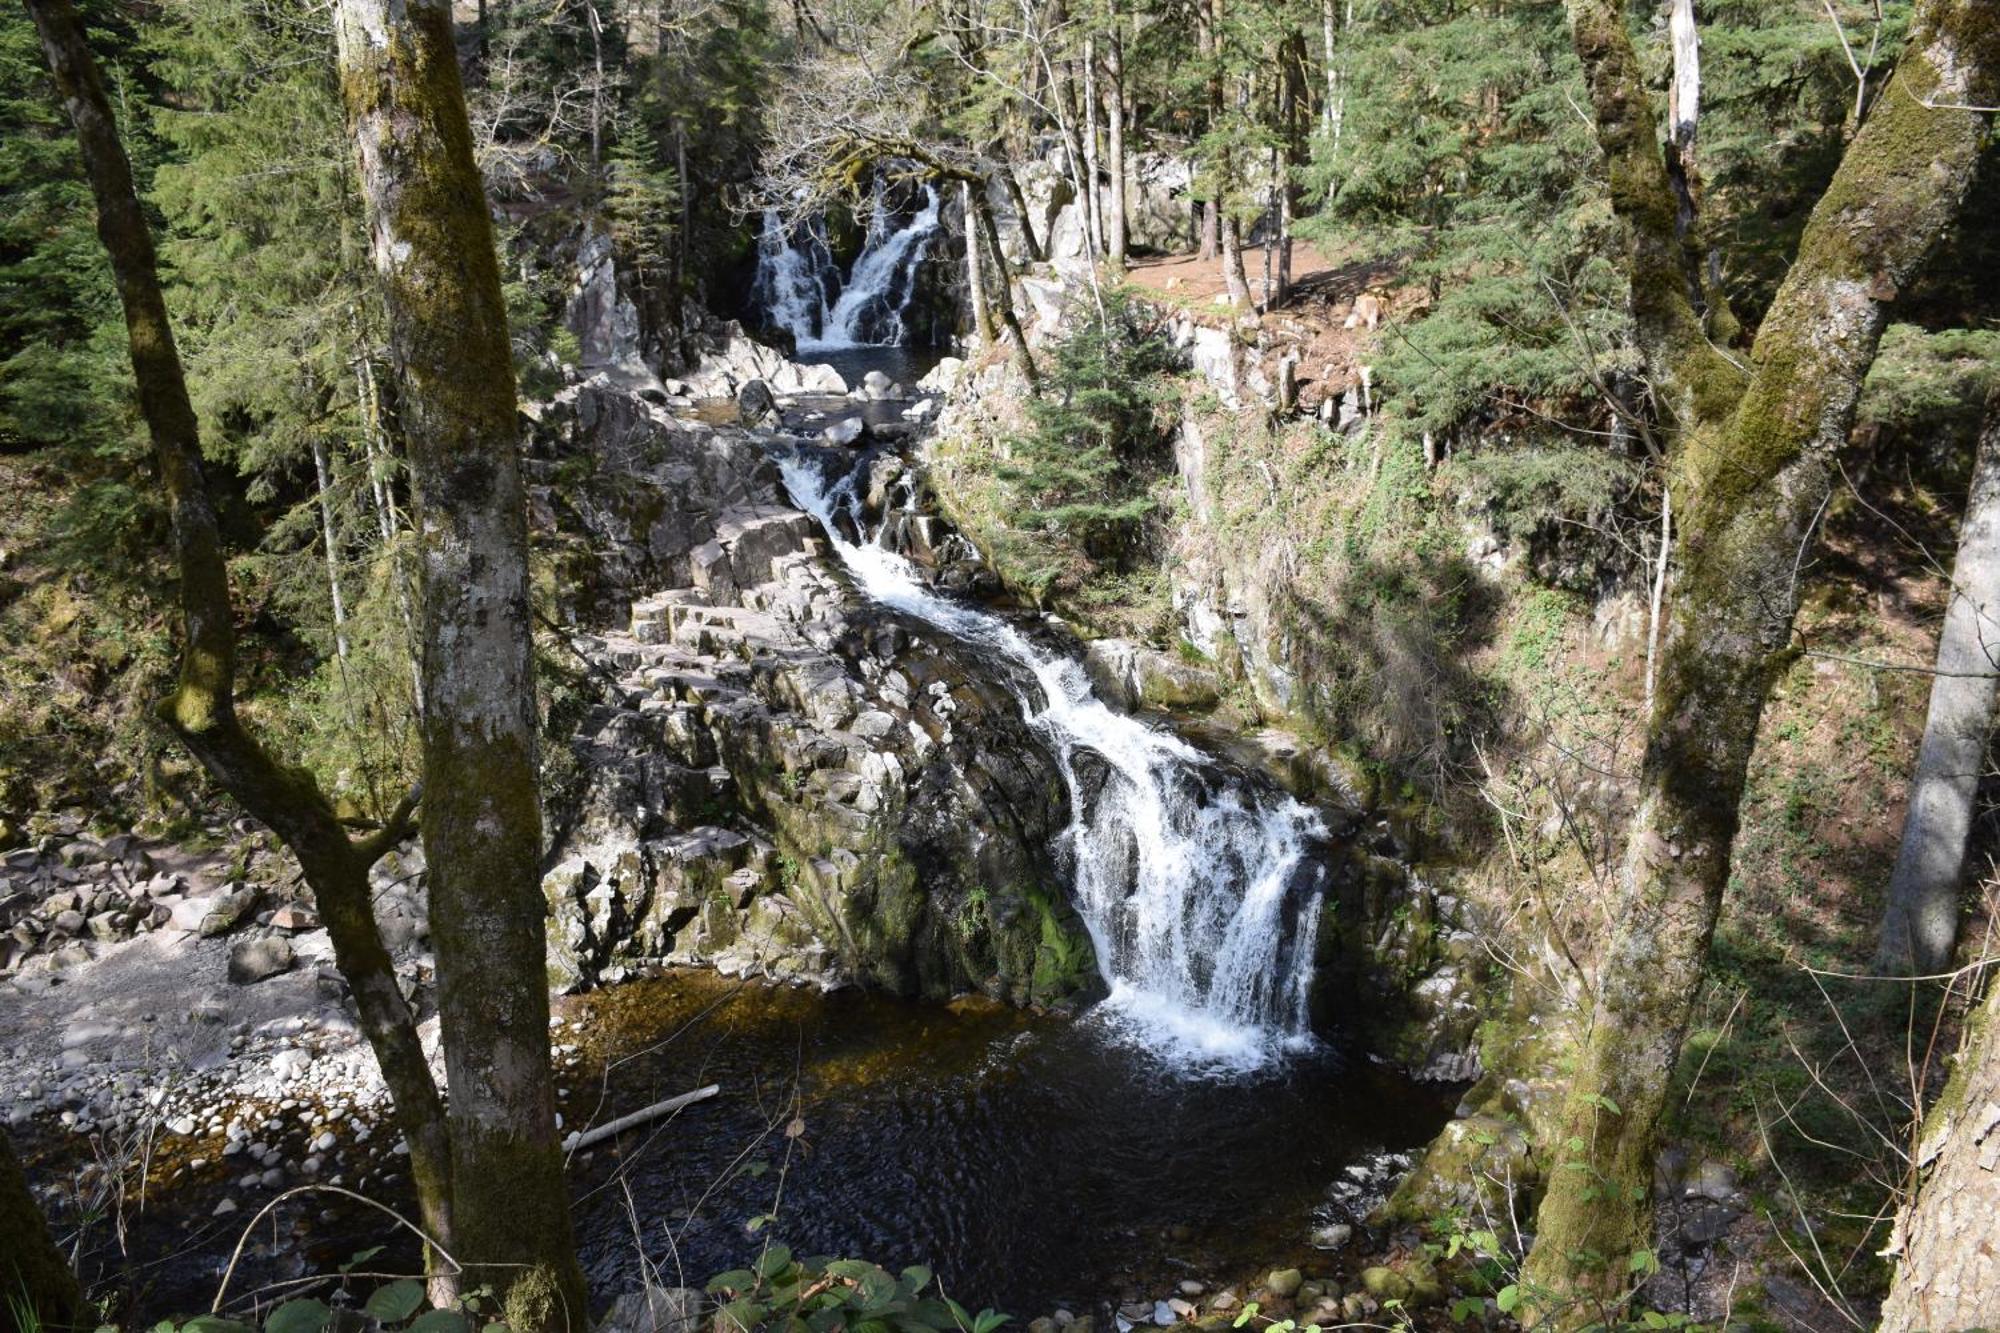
[{"x": 926, "y": 666}]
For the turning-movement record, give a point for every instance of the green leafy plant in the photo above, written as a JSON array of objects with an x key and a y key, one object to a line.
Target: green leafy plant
[{"x": 781, "y": 1292}]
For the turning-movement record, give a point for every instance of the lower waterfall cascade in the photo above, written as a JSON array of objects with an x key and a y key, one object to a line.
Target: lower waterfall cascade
[
  {"x": 804, "y": 292},
  {"x": 1201, "y": 892}
]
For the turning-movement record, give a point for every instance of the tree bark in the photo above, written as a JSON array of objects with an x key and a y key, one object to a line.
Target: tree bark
[
  {"x": 1921, "y": 923},
  {"x": 432, "y": 240},
  {"x": 1949, "y": 1277},
  {"x": 41, "y": 1291},
  {"x": 1752, "y": 479},
  {"x": 202, "y": 710}
]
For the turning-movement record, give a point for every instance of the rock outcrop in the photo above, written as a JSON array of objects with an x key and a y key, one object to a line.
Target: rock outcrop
[{"x": 781, "y": 779}]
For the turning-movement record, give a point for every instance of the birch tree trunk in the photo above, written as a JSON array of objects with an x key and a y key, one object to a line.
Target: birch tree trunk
[
  {"x": 1751, "y": 474},
  {"x": 42, "y": 1292},
  {"x": 1920, "y": 925},
  {"x": 202, "y": 709},
  {"x": 432, "y": 241},
  {"x": 323, "y": 478},
  {"x": 1949, "y": 1277}
]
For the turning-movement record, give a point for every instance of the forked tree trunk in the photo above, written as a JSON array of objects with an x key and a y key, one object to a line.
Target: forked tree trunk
[
  {"x": 1921, "y": 923},
  {"x": 1949, "y": 1277},
  {"x": 202, "y": 710},
  {"x": 432, "y": 241},
  {"x": 41, "y": 1293},
  {"x": 1751, "y": 473}
]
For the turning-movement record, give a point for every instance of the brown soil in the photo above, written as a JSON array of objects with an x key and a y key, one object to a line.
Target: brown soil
[{"x": 1310, "y": 322}]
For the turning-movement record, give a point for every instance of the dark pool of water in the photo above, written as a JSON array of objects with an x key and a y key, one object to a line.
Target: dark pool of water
[{"x": 1032, "y": 1162}]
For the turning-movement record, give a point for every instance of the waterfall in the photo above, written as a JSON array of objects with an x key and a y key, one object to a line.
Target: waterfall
[
  {"x": 1200, "y": 891},
  {"x": 803, "y": 290}
]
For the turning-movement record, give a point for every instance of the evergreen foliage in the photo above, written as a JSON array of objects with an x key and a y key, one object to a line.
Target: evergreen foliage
[{"x": 1081, "y": 473}]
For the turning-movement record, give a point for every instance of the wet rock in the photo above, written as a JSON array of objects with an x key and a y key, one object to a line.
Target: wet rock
[
  {"x": 755, "y": 401},
  {"x": 255, "y": 960},
  {"x": 1284, "y": 1282},
  {"x": 847, "y": 432}
]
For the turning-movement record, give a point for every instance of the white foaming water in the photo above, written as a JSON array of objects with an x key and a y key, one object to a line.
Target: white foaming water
[
  {"x": 796, "y": 272},
  {"x": 1183, "y": 875}
]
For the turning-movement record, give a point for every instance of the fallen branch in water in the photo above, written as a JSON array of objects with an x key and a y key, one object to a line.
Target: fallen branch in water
[{"x": 588, "y": 1137}]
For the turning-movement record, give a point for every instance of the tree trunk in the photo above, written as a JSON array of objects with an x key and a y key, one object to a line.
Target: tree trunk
[
  {"x": 323, "y": 477},
  {"x": 1207, "y": 15},
  {"x": 1233, "y": 276},
  {"x": 1114, "y": 130},
  {"x": 1949, "y": 1277},
  {"x": 1033, "y": 248},
  {"x": 1003, "y": 292},
  {"x": 432, "y": 240},
  {"x": 41, "y": 1293},
  {"x": 975, "y": 277},
  {"x": 202, "y": 710},
  {"x": 1093, "y": 212},
  {"x": 1921, "y": 923},
  {"x": 1752, "y": 474}
]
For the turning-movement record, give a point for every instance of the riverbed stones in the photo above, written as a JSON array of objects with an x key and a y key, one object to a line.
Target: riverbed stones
[{"x": 1284, "y": 1282}]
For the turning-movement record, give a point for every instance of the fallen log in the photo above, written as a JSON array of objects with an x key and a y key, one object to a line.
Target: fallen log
[{"x": 588, "y": 1137}]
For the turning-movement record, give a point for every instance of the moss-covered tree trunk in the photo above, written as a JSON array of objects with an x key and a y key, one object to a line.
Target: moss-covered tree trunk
[
  {"x": 1755, "y": 471},
  {"x": 1949, "y": 1276},
  {"x": 37, "y": 1289},
  {"x": 202, "y": 710},
  {"x": 1920, "y": 925},
  {"x": 432, "y": 242}
]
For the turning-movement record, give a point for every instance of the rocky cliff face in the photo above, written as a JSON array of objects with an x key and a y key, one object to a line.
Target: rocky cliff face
[{"x": 780, "y": 780}]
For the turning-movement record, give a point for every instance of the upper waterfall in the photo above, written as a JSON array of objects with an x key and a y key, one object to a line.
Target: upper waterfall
[
  {"x": 1200, "y": 891},
  {"x": 802, "y": 288}
]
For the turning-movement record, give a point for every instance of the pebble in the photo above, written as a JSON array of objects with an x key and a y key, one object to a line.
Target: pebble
[
  {"x": 225, "y": 1208},
  {"x": 324, "y": 1143}
]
